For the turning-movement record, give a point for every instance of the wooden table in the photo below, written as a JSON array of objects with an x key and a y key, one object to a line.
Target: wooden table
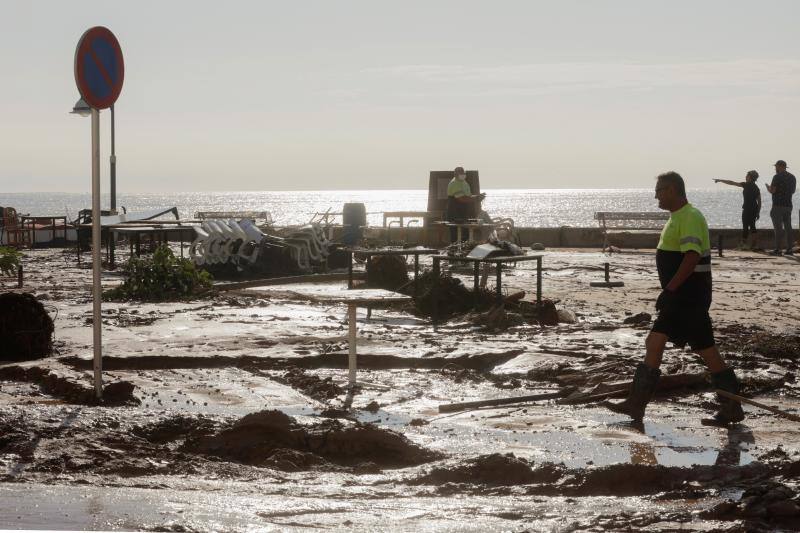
[
  {"x": 499, "y": 261},
  {"x": 31, "y": 222},
  {"x": 416, "y": 252},
  {"x": 354, "y": 298}
]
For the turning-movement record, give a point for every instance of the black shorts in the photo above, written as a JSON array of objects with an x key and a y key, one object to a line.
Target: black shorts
[
  {"x": 749, "y": 220},
  {"x": 686, "y": 324}
]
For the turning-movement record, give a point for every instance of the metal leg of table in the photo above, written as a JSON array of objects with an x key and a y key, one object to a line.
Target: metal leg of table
[
  {"x": 476, "y": 271},
  {"x": 112, "y": 248},
  {"x": 539, "y": 281},
  {"x": 499, "y": 282},
  {"x": 416, "y": 273},
  {"x": 350, "y": 270},
  {"x": 351, "y": 342},
  {"x": 435, "y": 293}
]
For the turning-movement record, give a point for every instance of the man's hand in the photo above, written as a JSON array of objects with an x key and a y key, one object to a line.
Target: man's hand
[{"x": 666, "y": 299}]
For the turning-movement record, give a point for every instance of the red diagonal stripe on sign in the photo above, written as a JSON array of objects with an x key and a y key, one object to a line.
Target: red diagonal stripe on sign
[{"x": 101, "y": 68}]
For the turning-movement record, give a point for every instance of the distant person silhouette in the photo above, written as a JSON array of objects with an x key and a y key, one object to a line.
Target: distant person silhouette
[
  {"x": 751, "y": 208},
  {"x": 782, "y": 188}
]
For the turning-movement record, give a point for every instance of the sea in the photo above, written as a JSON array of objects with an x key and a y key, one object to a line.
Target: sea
[{"x": 527, "y": 207}]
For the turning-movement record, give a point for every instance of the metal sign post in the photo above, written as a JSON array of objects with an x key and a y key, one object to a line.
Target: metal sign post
[
  {"x": 99, "y": 73},
  {"x": 97, "y": 265}
]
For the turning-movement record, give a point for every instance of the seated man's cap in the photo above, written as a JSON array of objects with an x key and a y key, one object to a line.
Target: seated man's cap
[{"x": 780, "y": 163}]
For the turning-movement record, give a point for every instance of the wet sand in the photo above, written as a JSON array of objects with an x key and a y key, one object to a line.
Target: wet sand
[{"x": 236, "y": 418}]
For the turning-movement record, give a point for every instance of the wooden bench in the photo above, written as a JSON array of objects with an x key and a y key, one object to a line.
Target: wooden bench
[{"x": 621, "y": 221}]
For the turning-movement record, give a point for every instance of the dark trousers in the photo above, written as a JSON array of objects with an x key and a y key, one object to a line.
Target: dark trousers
[
  {"x": 748, "y": 223},
  {"x": 782, "y": 222}
]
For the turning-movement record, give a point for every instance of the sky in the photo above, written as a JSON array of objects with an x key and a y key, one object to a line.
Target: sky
[{"x": 294, "y": 95}]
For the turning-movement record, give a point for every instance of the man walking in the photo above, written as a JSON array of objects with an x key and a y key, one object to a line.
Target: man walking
[
  {"x": 782, "y": 188},
  {"x": 683, "y": 260}
]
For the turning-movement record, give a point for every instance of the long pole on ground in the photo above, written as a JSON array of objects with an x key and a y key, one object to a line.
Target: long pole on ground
[{"x": 96, "y": 258}]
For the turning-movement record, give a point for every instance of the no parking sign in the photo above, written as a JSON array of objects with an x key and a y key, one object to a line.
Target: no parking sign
[{"x": 99, "y": 67}]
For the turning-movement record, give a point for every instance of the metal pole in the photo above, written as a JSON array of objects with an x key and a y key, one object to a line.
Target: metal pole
[
  {"x": 112, "y": 243},
  {"x": 96, "y": 258},
  {"x": 113, "y": 165}
]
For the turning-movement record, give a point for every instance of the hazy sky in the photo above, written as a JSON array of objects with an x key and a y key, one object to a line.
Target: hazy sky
[{"x": 355, "y": 94}]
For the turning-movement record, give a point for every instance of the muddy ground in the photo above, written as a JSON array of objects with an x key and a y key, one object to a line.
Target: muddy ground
[{"x": 231, "y": 414}]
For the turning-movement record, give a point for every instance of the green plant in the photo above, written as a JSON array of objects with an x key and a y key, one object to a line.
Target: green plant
[
  {"x": 160, "y": 277},
  {"x": 9, "y": 260}
]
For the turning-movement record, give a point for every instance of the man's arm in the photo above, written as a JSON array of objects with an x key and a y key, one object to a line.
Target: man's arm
[
  {"x": 690, "y": 260},
  {"x": 729, "y": 182}
]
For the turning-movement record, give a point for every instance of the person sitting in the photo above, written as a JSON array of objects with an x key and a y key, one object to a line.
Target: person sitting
[{"x": 461, "y": 203}]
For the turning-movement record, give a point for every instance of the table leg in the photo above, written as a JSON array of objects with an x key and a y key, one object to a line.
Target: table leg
[
  {"x": 369, "y": 267},
  {"x": 351, "y": 342},
  {"x": 499, "y": 282},
  {"x": 539, "y": 282},
  {"x": 416, "y": 273},
  {"x": 435, "y": 293},
  {"x": 112, "y": 248},
  {"x": 476, "y": 269},
  {"x": 350, "y": 270}
]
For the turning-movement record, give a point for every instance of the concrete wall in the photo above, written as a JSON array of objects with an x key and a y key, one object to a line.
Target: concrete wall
[{"x": 564, "y": 237}]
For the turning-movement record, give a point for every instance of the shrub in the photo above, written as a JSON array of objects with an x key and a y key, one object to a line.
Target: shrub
[
  {"x": 9, "y": 260},
  {"x": 162, "y": 277}
]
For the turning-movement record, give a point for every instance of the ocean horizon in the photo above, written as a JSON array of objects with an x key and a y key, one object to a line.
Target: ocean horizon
[{"x": 528, "y": 207}]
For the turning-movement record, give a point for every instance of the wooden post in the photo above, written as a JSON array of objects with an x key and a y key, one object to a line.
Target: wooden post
[{"x": 19, "y": 276}]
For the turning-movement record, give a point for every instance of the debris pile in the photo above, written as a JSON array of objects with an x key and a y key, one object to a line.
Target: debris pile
[
  {"x": 450, "y": 297},
  {"x": 26, "y": 330},
  {"x": 493, "y": 469},
  {"x": 767, "y": 505},
  {"x": 387, "y": 272},
  {"x": 272, "y": 438}
]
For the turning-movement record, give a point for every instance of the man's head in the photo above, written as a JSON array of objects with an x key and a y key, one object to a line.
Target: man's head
[
  {"x": 459, "y": 173},
  {"x": 670, "y": 191},
  {"x": 780, "y": 166},
  {"x": 751, "y": 176}
]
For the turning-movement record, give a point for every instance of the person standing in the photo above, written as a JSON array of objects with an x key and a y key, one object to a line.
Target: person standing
[
  {"x": 782, "y": 188},
  {"x": 683, "y": 260},
  {"x": 460, "y": 201},
  {"x": 751, "y": 208}
]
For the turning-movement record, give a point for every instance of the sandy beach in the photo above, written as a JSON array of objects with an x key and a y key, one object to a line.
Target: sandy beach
[{"x": 236, "y": 417}]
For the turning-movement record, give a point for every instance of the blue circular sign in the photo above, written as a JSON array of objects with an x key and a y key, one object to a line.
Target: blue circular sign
[{"x": 99, "y": 67}]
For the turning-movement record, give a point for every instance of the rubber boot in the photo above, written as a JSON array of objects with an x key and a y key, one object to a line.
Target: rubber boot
[
  {"x": 730, "y": 411},
  {"x": 644, "y": 384}
]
